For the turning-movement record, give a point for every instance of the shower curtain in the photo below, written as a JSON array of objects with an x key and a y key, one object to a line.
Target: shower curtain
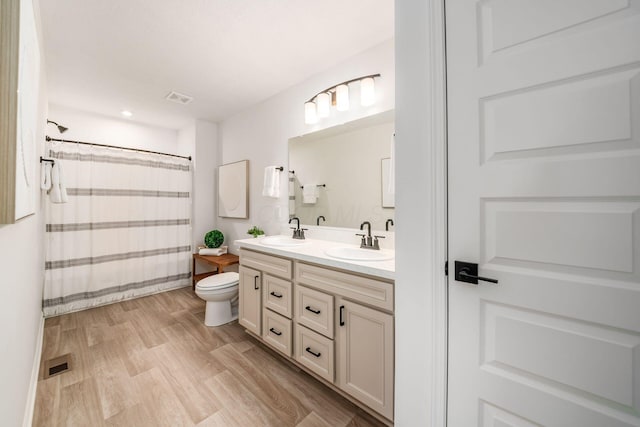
[{"x": 125, "y": 230}]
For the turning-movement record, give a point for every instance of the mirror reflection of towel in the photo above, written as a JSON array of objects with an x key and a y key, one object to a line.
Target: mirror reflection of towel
[
  {"x": 271, "y": 185},
  {"x": 310, "y": 193},
  {"x": 292, "y": 194}
]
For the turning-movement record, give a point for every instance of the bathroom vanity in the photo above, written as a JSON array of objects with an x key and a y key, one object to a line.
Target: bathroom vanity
[{"x": 331, "y": 317}]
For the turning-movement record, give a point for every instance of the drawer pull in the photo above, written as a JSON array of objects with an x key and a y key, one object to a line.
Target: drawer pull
[
  {"x": 277, "y": 295},
  {"x": 278, "y": 333},
  {"x": 342, "y": 315},
  {"x": 312, "y": 310},
  {"x": 308, "y": 350},
  {"x": 255, "y": 282}
]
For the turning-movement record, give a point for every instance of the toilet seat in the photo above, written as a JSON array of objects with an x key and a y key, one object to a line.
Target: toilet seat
[{"x": 218, "y": 281}]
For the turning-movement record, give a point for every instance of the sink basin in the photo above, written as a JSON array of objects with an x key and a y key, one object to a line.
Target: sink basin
[
  {"x": 358, "y": 254},
  {"x": 284, "y": 241}
]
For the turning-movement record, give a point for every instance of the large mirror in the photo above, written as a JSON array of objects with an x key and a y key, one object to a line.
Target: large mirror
[{"x": 338, "y": 174}]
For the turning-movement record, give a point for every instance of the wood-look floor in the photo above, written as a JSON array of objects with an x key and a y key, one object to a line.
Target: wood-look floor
[{"x": 152, "y": 362}]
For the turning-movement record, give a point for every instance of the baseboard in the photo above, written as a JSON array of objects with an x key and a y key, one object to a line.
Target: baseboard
[{"x": 33, "y": 385}]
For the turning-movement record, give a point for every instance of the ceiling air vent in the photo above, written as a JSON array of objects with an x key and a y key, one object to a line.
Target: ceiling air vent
[{"x": 179, "y": 98}]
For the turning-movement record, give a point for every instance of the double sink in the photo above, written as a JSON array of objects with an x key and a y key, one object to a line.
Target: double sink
[{"x": 348, "y": 253}]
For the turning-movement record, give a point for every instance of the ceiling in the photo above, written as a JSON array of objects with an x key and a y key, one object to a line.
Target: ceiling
[{"x": 105, "y": 56}]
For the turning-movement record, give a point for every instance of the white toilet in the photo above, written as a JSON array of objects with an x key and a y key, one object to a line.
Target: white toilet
[{"x": 220, "y": 291}]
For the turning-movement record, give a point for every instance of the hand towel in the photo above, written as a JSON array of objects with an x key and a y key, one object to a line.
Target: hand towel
[
  {"x": 45, "y": 176},
  {"x": 271, "y": 185},
  {"x": 292, "y": 194},
  {"x": 310, "y": 193},
  {"x": 58, "y": 193}
]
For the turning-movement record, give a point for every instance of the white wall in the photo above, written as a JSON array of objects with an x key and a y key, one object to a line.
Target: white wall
[
  {"x": 91, "y": 127},
  {"x": 22, "y": 276},
  {"x": 261, "y": 133},
  {"x": 204, "y": 180},
  {"x": 420, "y": 291}
]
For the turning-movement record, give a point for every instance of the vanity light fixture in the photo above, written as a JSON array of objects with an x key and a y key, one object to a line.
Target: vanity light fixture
[
  {"x": 323, "y": 104},
  {"x": 310, "y": 113},
  {"x": 367, "y": 92},
  {"x": 342, "y": 97},
  {"x": 319, "y": 106}
]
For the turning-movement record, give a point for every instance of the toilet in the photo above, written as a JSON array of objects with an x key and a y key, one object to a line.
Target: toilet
[{"x": 220, "y": 291}]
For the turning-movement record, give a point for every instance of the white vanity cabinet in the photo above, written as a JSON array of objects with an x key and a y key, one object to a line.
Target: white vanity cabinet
[
  {"x": 334, "y": 323},
  {"x": 249, "y": 310},
  {"x": 364, "y": 337},
  {"x": 265, "y": 307},
  {"x": 364, "y": 353}
]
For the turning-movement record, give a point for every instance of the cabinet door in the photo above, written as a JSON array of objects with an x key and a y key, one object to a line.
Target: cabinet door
[
  {"x": 364, "y": 349},
  {"x": 250, "y": 310}
]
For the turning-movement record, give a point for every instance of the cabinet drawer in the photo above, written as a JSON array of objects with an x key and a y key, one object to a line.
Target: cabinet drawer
[
  {"x": 314, "y": 309},
  {"x": 362, "y": 289},
  {"x": 277, "y": 295},
  {"x": 315, "y": 352},
  {"x": 267, "y": 263},
  {"x": 277, "y": 332}
]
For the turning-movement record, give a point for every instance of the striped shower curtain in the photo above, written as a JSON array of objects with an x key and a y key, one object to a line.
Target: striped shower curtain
[{"x": 125, "y": 230}]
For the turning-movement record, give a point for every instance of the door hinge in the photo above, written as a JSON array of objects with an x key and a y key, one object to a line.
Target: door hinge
[{"x": 446, "y": 268}]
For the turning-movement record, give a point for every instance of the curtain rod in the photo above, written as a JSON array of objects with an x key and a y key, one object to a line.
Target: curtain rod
[{"x": 49, "y": 139}]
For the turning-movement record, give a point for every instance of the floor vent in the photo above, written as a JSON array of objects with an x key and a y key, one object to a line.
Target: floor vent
[{"x": 57, "y": 365}]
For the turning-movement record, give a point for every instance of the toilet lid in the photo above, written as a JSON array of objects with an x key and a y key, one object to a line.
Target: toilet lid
[{"x": 219, "y": 281}]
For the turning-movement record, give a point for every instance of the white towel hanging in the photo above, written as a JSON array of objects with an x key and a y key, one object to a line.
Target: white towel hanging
[
  {"x": 58, "y": 193},
  {"x": 310, "y": 193},
  {"x": 271, "y": 185},
  {"x": 45, "y": 176}
]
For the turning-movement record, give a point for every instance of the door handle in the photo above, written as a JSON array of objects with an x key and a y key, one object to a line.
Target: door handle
[
  {"x": 468, "y": 272},
  {"x": 278, "y": 333},
  {"x": 276, "y": 295},
  {"x": 341, "y": 315},
  {"x": 255, "y": 282}
]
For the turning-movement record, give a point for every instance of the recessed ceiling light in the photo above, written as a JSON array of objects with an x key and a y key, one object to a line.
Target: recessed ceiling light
[{"x": 127, "y": 113}]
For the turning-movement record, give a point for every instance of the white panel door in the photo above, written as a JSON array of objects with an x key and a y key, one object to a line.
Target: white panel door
[{"x": 544, "y": 194}]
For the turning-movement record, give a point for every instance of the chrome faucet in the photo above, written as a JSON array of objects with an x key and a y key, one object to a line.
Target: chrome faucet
[
  {"x": 318, "y": 219},
  {"x": 298, "y": 233},
  {"x": 369, "y": 242},
  {"x": 386, "y": 225}
]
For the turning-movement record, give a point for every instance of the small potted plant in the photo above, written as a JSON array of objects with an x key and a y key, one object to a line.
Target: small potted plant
[{"x": 256, "y": 232}]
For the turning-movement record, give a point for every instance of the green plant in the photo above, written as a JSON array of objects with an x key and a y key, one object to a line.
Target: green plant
[
  {"x": 255, "y": 231},
  {"x": 213, "y": 239}
]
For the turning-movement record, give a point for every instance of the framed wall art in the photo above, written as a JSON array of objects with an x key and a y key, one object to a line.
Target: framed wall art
[{"x": 233, "y": 190}]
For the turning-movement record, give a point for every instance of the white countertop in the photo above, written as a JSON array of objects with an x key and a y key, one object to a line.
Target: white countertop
[{"x": 314, "y": 252}]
